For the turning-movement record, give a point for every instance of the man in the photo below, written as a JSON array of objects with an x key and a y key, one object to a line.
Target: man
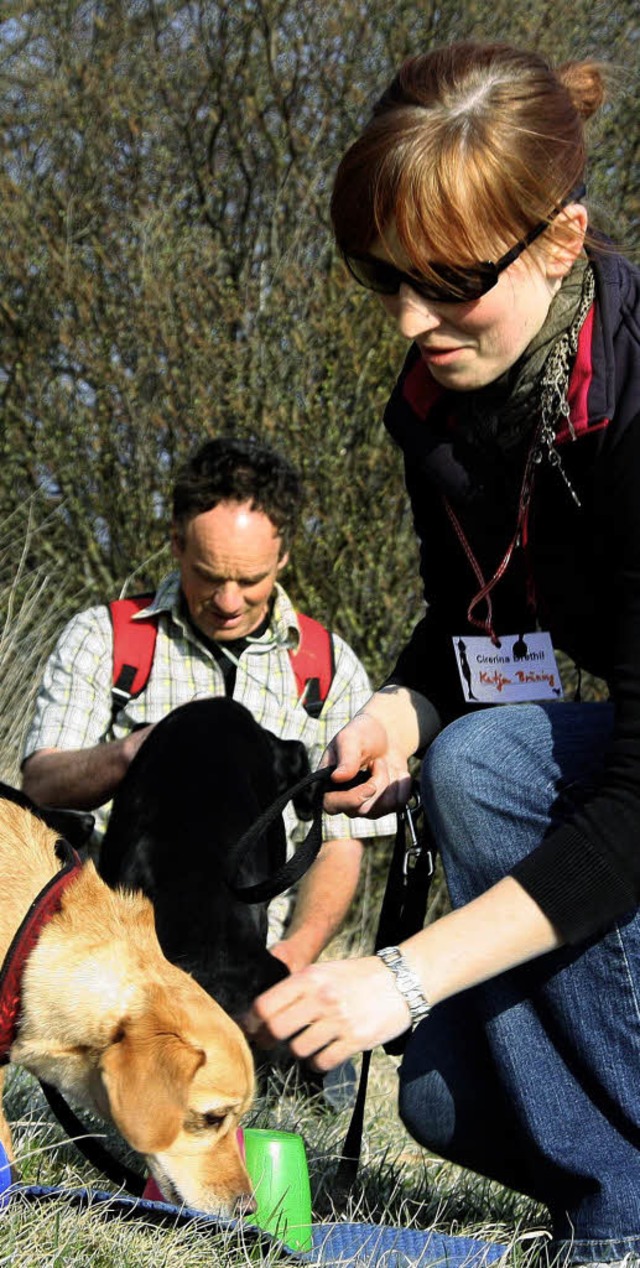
[{"x": 224, "y": 626}]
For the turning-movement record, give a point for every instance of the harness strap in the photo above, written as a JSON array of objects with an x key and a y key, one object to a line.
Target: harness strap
[
  {"x": 134, "y": 645},
  {"x": 43, "y": 907},
  {"x": 313, "y": 664}
]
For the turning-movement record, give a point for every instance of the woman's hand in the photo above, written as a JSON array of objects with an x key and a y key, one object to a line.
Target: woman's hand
[
  {"x": 365, "y": 744},
  {"x": 330, "y": 1011},
  {"x": 395, "y": 722}
]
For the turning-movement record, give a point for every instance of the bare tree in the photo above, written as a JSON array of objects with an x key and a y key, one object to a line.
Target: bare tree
[{"x": 167, "y": 270}]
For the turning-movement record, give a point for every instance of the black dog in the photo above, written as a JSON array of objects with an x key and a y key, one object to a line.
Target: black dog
[{"x": 199, "y": 781}]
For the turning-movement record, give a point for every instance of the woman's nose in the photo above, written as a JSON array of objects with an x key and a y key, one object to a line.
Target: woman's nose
[{"x": 413, "y": 314}]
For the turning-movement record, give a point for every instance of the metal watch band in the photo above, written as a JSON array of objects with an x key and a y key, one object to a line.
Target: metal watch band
[{"x": 407, "y": 983}]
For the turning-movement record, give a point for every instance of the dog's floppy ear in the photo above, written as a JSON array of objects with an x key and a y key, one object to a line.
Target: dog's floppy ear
[
  {"x": 75, "y": 826},
  {"x": 290, "y": 764},
  {"x": 146, "y": 1072}
]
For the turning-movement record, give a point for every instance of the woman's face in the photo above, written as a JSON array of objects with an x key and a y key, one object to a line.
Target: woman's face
[{"x": 469, "y": 345}]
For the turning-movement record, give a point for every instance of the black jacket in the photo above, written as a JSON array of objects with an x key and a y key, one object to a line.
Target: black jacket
[{"x": 581, "y": 565}]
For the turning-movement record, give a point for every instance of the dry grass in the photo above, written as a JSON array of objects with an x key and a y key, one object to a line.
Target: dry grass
[
  {"x": 34, "y": 603},
  {"x": 398, "y": 1185}
]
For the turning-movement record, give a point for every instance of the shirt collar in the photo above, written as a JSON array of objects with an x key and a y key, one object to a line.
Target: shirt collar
[
  {"x": 166, "y": 599},
  {"x": 283, "y": 629}
]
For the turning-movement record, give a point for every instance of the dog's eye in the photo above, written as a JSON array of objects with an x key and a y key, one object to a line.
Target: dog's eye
[
  {"x": 196, "y": 1123},
  {"x": 213, "y": 1120}
]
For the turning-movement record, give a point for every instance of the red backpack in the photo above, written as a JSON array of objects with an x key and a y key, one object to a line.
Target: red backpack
[{"x": 134, "y": 645}]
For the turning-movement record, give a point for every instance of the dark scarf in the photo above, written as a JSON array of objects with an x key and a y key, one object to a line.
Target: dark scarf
[{"x": 503, "y": 413}]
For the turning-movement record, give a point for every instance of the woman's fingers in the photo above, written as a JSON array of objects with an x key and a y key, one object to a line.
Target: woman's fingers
[
  {"x": 363, "y": 745},
  {"x": 332, "y": 1010},
  {"x": 294, "y": 1003},
  {"x": 356, "y": 801},
  {"x": 388, "y": 789}
]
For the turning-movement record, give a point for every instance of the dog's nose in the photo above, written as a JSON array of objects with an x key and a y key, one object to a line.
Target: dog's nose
[{"x": 245, "y": 1204}]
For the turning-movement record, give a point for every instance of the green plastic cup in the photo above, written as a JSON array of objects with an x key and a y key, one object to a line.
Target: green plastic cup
[{"x": 277, "y": 1164}]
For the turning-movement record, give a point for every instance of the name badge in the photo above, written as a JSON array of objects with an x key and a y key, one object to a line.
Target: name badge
[{"x": 522, "y": 668}]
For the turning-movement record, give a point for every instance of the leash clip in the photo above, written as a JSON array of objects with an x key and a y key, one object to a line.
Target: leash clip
[{"x": 413, "y": 851}]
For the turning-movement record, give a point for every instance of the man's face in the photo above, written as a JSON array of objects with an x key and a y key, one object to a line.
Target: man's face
[{"x": 229, "y": 559}]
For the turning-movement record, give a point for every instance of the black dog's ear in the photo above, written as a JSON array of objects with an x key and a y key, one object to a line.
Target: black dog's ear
[
  {"x": 18, "y": 797},
  {"x": 290, "y": 765},
  {"x": 75, "y": 826}
]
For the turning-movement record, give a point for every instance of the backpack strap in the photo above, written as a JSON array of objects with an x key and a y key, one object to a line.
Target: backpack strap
[
  {"x": 134, "y": 644},
  {"x": 313, "y": 664}
]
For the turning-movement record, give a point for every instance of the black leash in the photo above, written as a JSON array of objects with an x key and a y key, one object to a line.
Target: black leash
[
  {"x": 306, "y": 853},
  {"x": 90, "y": 1146},
  {"x": 402, "y": 914}
]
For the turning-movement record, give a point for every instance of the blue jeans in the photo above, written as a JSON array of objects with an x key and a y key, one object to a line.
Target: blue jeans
[{"x": 532, "y": 1079}]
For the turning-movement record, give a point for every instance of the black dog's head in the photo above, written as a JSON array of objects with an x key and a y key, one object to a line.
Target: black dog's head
[
  {"x": 201, "y": 779},
  {"x": 290, "y": 765}
]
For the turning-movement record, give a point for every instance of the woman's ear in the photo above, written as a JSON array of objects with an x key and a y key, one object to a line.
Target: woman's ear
[{"x": 565, "y": 240}]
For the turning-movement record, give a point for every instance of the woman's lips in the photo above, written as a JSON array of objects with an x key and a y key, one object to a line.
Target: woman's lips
[{"x": 439, "y": 355}]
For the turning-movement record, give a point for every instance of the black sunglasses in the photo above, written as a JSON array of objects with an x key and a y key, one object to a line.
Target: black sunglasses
[{"x": 458, "y": 286}]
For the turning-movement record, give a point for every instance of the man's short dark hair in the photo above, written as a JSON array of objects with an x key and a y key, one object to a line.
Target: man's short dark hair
[{"x": 228, "y": 469}]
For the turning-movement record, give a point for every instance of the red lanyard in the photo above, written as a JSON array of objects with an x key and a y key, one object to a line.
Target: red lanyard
[{"x": 519, "y": 538}]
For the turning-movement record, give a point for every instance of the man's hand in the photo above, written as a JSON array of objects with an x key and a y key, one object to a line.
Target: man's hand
[{"x": 80, "y": 779}]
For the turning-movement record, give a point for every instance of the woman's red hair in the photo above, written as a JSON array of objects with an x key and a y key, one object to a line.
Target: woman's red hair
[{"x": 470, "y": 146}]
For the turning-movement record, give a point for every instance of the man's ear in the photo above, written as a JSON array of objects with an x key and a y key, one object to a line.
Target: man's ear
[
  {"x": 565, "y": 240},
  {"x": 176, "y": 541},
  {"x": 283, "y": 560}
]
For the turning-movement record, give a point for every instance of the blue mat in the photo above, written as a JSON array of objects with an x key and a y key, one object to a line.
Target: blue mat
[
  {"x": 373, "y": 1244},
  {"x": 334, "y": 1245}
]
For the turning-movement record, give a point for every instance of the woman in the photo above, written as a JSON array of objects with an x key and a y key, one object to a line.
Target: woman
[{"x": 517, "y": 414}]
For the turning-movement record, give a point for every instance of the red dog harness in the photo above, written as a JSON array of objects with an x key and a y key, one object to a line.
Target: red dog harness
[{"x": 43, "y": 907}]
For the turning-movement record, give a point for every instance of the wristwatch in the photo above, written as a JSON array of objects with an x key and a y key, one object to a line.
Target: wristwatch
[{"x": 407, "y": 983}]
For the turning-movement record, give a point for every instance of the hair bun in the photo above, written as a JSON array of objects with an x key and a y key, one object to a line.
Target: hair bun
[{"x": 584, "y": 81}]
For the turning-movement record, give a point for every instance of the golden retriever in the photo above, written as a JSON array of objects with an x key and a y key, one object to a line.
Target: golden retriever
[{"x": 112, "y": 1024}]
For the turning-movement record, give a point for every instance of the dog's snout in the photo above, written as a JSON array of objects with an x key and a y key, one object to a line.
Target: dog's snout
[{"x": 245, "y": 1204}]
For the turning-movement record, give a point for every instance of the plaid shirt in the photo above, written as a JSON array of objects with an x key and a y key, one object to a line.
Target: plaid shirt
[{"x": 74, "y": 706}]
